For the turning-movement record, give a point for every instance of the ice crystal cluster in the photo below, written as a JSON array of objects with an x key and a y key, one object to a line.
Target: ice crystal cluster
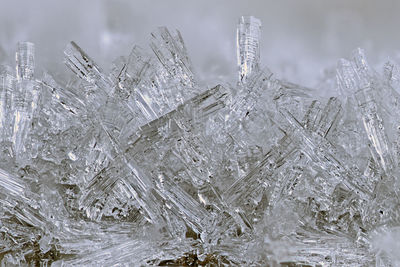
[{"x": 143, "y": 166}]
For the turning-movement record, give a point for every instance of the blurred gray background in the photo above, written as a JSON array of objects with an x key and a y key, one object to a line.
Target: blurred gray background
[{"x": 300, "y": 39}]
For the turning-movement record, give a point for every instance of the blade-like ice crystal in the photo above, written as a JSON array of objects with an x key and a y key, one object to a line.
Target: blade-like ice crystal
[
  {"x": 25, "y": 57},
  {"x": 248, "y": 46}
]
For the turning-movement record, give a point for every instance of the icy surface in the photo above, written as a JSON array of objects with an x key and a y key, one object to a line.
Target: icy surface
[{"x": 143, "y": 166}]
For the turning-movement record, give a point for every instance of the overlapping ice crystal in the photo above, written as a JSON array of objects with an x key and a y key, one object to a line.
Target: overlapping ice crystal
[{"x": 144, "y": 166}]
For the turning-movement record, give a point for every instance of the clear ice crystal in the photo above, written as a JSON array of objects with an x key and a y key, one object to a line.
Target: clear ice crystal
[
  {"x": 25, "y": 58},
  {"x": 145, "y": 166},
  {"x": 248, "y": 46}
]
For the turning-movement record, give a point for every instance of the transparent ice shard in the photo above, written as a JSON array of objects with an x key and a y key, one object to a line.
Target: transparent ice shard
[
  {"x": 248, "y": 46},
  {"x": 83, "y": 66},
  {"x": 391, "y": 83},
  {"x": 294, "y": 98},
  {"x": 171, "y": 52},
  {"x": 68, "y": 99},
  {"x": 392, "y": 73},
  {"x": 60, "y": 112},
  {"x": 24, "y": 100},
  {"x": 246, "y": 119},
  {"x": 374, "y": 127},
  {"x": 134, "y": 251},
  {"x": 240, "y": 131},
  {"x": 243, "y": 131},
  {"x": 330, "y": 118},
  {"x": 312, "y": 115},
  {"x": 357, "y": 78},
  {"x": 373, "y": 122},
  {"x": 165, "y": 80},
  {"x": 7, "y": 84},
  {"x": 351, "y": 139},
  {"x": 25, "y": 57}
]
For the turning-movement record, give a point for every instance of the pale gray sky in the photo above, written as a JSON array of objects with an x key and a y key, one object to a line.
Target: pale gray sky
[{"x": 299, "y": 38}]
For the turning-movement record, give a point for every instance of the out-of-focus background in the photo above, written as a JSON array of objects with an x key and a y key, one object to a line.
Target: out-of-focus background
[{"x": 300, "y": 39}]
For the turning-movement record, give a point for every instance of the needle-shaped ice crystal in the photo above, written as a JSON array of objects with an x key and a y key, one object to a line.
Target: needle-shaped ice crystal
[
  {"x": 25, "y": 57},
  {"x": 357, "y": 77},
  {"x": 248, "y": 46}
]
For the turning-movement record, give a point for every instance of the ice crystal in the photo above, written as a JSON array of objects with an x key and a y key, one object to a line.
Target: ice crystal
[{"x": 145, "y": 166}]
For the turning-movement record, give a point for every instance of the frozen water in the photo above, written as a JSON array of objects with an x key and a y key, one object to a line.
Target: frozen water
[{"x": 145, "y": 166}]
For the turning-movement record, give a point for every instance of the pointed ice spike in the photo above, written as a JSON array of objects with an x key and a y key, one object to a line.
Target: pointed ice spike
[
  {"x": 392, "y": 74},
  {"x": 357, "y": 77},
  {"x": 248, "y": 46},
  {"x": 171, "y": 52},
  {"x": 139, "y": 65},
  {"x": 361, "y": 68},
  {"x": 312, "y": 116},
  {"x": 81, "y": 64},
  {"x": 346, "y": 77},
  {"x": 375, "y": 130},
  {"x": 25, "y": 100},
  {"x": 148, "y": 88},
  {"x": 25, "y": 57},
  {"x": 373, "y": 122},
  {"x": 7, "y": 83},
  {"x": 128, "y": 73},
  {"x": 68, "y": 99},
  {"x": 170, "y": 80}
]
